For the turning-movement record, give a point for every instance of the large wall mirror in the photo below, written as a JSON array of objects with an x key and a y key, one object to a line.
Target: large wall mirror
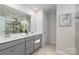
[{"x": 14, "y": 21}]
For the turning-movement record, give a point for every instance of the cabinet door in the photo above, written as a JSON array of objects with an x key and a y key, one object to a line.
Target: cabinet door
[
  {"x": 37, "y": 42},
  {"x": 16, "y": 50},
  {"x": 29, "y": 50},
  {"x": 29, "y": 46},
  {"x": 5, "y": 52}
]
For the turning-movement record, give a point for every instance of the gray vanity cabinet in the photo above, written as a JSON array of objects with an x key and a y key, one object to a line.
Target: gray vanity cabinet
[
  {"x": 22, "y": 46},
  {"x": 33, "y": 43},
  {"x": 29, "y": 45},
  {"x": 5, "y": 52},
  {"x": 37, "y": 41},
  {"x": 18, "y": 48}
]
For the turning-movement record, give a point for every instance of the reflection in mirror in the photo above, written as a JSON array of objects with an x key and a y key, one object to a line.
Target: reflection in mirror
[
  {"x": 22, "y": 24},
  {"x": 14, "y": 21},
  {"x": 2, "y": 24}
]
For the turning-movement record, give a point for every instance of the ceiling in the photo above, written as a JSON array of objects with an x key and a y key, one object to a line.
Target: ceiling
[
  {"x": 16, "y": 13},
  {"x": 45, "y": 7},
  {"x": 8, "y": 11}
]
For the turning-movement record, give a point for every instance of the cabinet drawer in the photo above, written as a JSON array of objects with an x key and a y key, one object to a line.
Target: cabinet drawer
[
  {"x": 29, "y": 44},
  {"x": 37, "y": 41},
  {"x": 32, "y": 37},
  {"x": 29, "y": 38},
  {"x": 29, "y": 50},
  {"x": 38, "y": 36},
  {"x": 37, "y": 45},
  {"x": 5, "y": 52},
  {"x": 16, "y": 50},
  {"x": 11, "y": 43}
]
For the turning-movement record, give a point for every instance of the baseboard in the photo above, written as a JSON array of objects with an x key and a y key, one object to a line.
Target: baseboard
[
  {"x": 52, "y": 42},
  {"x": 61, "y": 53},
  {"x": 65, "y": 52}
]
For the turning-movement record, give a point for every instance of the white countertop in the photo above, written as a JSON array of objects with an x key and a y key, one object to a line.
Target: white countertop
[{"x": 17, "y": 36}]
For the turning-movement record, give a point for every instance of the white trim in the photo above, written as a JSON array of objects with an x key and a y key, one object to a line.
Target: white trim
[
  {"x": 61, "y": 52},
  {"x": 68, "y": 52},
  {"x": 52, "y": 42}
]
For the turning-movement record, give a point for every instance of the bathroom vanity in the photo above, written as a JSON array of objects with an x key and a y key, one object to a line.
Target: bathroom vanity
[
  {"x": 18, "y": 32},
  {"x": 20, "y": 46}
]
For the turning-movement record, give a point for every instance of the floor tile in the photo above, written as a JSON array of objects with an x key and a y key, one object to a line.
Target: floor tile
[{"x": 48, "y": 49}]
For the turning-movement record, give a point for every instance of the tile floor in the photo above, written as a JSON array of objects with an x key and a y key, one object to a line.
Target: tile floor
[{"x": 48, "y": 49}]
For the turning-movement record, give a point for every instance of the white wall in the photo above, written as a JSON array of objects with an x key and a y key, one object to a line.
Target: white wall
[
  {"x": 52, "y": 27},
  {"x": 65, "y": 40},
  {"x": 46, "y": 24},
  {"x": 33, "y": 23},
  {"x": 45, "y": 27},
  {"x": 39, "y": 22},
  {"x": 42, "y": 25}
]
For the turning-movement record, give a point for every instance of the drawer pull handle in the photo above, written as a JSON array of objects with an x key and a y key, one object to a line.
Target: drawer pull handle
[{"x": 37, "y": 41}]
